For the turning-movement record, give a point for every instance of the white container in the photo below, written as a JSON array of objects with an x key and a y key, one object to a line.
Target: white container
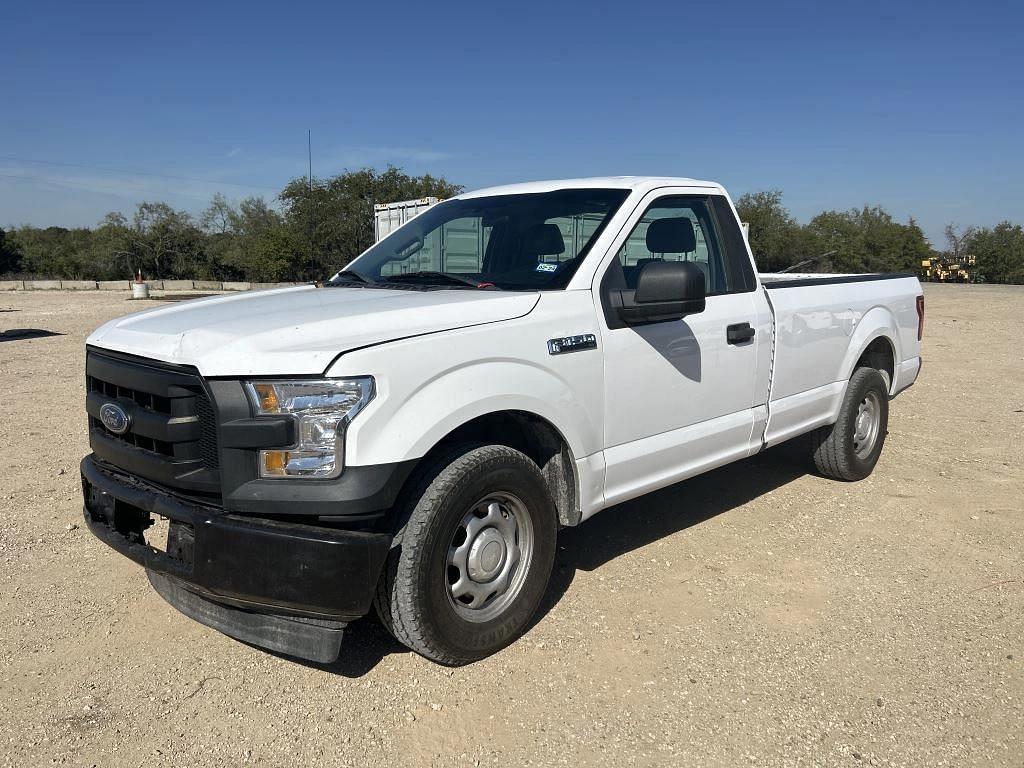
[
  {"x": 387, "y": 217},
  {"x": 140, "y": 290}
]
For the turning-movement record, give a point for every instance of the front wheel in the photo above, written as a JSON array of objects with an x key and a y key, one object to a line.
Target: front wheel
[
  {"x": 472, "y": 562},
  {"x": 849, "y": 449}
]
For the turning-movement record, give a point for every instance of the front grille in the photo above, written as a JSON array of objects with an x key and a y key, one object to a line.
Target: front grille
[
  {"x": 172, "y": 432},
  {"x": 142, "y": 399},
  {"x": 208, "y": 437},
  {"x": 148, "y": 402}
]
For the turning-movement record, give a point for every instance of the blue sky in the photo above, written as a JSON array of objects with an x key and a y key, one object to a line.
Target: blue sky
[{"x": 917, "y": 107}]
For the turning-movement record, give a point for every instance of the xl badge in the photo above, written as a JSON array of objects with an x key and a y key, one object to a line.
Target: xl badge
[
  {"x": 572, "y": 344},
  {"x": 114, "y": 418}
]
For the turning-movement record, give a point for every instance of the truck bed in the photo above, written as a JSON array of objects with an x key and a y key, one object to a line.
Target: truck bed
[{"x": 821, "y": 323}]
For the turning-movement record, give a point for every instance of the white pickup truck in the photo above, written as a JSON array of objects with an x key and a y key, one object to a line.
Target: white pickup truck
[{"x": 412, "y": 434}]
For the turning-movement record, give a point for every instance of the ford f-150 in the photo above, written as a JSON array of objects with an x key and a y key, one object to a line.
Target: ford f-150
[{"x": 412, "y": 433}]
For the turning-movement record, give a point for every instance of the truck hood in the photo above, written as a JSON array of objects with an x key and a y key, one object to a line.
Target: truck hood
[{"x": 297, "y": 331}]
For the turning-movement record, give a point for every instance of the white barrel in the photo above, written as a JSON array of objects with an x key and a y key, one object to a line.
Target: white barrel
[{"x": 140, "y": 290}]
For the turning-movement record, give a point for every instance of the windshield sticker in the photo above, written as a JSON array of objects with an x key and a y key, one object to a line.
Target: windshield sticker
[{"x": 546, "y": 266}]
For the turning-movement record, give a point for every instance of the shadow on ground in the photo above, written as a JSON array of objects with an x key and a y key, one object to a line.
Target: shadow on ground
[
  {"x": 19, "y": 334},
  {"x": 611, "y": 534},
  {"x": 637, "y": 523}
]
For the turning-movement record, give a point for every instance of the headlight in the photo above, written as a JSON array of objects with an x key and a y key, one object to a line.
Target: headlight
[{"x": 321, "y": 409}]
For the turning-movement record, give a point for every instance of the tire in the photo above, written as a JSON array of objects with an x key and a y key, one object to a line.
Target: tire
[
  {"x": 453, "y": 588},
  {"x": 849, "y": 449}
]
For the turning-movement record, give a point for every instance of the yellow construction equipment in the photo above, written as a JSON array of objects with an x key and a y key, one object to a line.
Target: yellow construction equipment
[{"x": 943, "y": 269}]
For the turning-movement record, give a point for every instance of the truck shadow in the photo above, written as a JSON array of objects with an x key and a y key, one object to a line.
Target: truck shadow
[
  {"x": 611, "y": 534},
  {"x": 639, "y": 522}
]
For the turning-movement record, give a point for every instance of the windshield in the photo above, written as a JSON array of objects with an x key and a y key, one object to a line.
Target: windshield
[{"x": 513, "y": 242}]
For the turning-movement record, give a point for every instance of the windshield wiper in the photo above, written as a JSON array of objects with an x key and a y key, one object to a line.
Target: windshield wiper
[
  {"x": 348, "y": 274},
  {"x": 427, "y": 276}
]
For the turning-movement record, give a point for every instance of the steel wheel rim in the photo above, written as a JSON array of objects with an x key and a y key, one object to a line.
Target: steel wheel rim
[
  {"x": 489, "y": 557},
  {"x": 867, "y": 425}
]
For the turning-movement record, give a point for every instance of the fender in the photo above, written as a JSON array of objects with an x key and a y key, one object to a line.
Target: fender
[
  {"x": 428, "y": 386},
  {"x": 803, "y": 411},
  {"x": 401, "y": 425},
  {"x": 877, "y": 322}
]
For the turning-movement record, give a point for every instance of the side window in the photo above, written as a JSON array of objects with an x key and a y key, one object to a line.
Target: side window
[
  {"x": 675, "y": 229},
  {"x": 738, "y": 268}
]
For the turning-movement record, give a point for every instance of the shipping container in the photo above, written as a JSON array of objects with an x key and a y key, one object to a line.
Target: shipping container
[{"x": 387, "y": 217}]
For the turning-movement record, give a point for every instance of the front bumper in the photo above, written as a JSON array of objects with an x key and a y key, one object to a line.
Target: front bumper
[{"x": 288, "y": 586}]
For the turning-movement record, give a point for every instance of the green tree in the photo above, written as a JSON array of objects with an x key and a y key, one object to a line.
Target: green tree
[
  {"x": 999, "y": 252},
  {"x": 250, "y": 241},
  {"x": 913, "y": 248},
  {"x": 957, "y": 240},
  {"x": 218, "y": 218},
  {"x": 110, "y": 249},
  {"x": 776, "y": 239},
  {"x": 166, "y": 243},
  {"x": 869, "y": 240},
  {"x": 10, "y": 258},
  {"x": 334, "y": 220},
  {"x": 53, "y": 251}
]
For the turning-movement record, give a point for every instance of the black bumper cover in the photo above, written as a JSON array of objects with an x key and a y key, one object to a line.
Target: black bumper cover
[
  {"x": 306, "y": 638},
  {"x": 286, "y": 586}
]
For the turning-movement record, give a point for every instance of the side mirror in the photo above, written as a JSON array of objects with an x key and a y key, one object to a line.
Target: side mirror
[{"x": 665, "y": 290}]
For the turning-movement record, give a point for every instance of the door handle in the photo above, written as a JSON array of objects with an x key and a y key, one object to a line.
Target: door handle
[{"x": 739, "y": 333}]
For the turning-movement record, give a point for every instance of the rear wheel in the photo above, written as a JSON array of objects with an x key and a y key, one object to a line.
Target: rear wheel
[
  {"x": 849, "y": 449},
  {"x": 472, "y": 562}
]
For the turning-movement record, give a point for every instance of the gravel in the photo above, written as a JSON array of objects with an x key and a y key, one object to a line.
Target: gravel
[{"x": 757, "y": 615}]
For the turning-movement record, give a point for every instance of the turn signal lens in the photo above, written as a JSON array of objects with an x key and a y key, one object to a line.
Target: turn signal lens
[
  {"x": 274, "y": 462},
  {"x": 266, "y": 395}
]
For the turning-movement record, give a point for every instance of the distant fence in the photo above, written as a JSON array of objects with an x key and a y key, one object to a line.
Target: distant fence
[{"x": 126, "y": 285}]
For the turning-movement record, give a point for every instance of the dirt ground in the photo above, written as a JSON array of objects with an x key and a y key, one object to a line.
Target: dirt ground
[{"x": 758, "y": 615}]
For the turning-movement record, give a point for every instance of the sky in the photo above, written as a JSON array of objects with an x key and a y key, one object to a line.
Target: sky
[{"x": 917, "y": 107}]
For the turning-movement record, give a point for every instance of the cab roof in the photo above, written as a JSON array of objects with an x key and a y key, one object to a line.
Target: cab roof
[{"x": 635, "y": 183}]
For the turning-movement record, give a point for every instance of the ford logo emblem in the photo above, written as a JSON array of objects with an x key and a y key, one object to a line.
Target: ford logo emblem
[{"x": 114, "y": 418}]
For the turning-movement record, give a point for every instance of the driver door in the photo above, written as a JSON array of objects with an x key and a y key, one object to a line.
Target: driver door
[{"x": 678, "y": 393}]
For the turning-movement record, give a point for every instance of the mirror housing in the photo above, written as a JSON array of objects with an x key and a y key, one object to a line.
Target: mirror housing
[{"x": 665, "y": 290}]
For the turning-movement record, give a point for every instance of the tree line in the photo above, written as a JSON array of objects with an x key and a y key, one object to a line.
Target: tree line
[
  {"x": 869, "y": 239},
  {"x": 316, "y": 229},
  {"x": 319, "y": 226}
]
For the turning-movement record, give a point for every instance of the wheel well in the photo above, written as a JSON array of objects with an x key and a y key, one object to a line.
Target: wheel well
[
  {"x": 538, "y": 439},
  {"x": 879, "y": 354}
]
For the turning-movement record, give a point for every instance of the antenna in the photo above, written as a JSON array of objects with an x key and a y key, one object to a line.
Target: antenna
[
  {"x": 312, "y": 223},
  {"x": 805, "y": 262}
]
